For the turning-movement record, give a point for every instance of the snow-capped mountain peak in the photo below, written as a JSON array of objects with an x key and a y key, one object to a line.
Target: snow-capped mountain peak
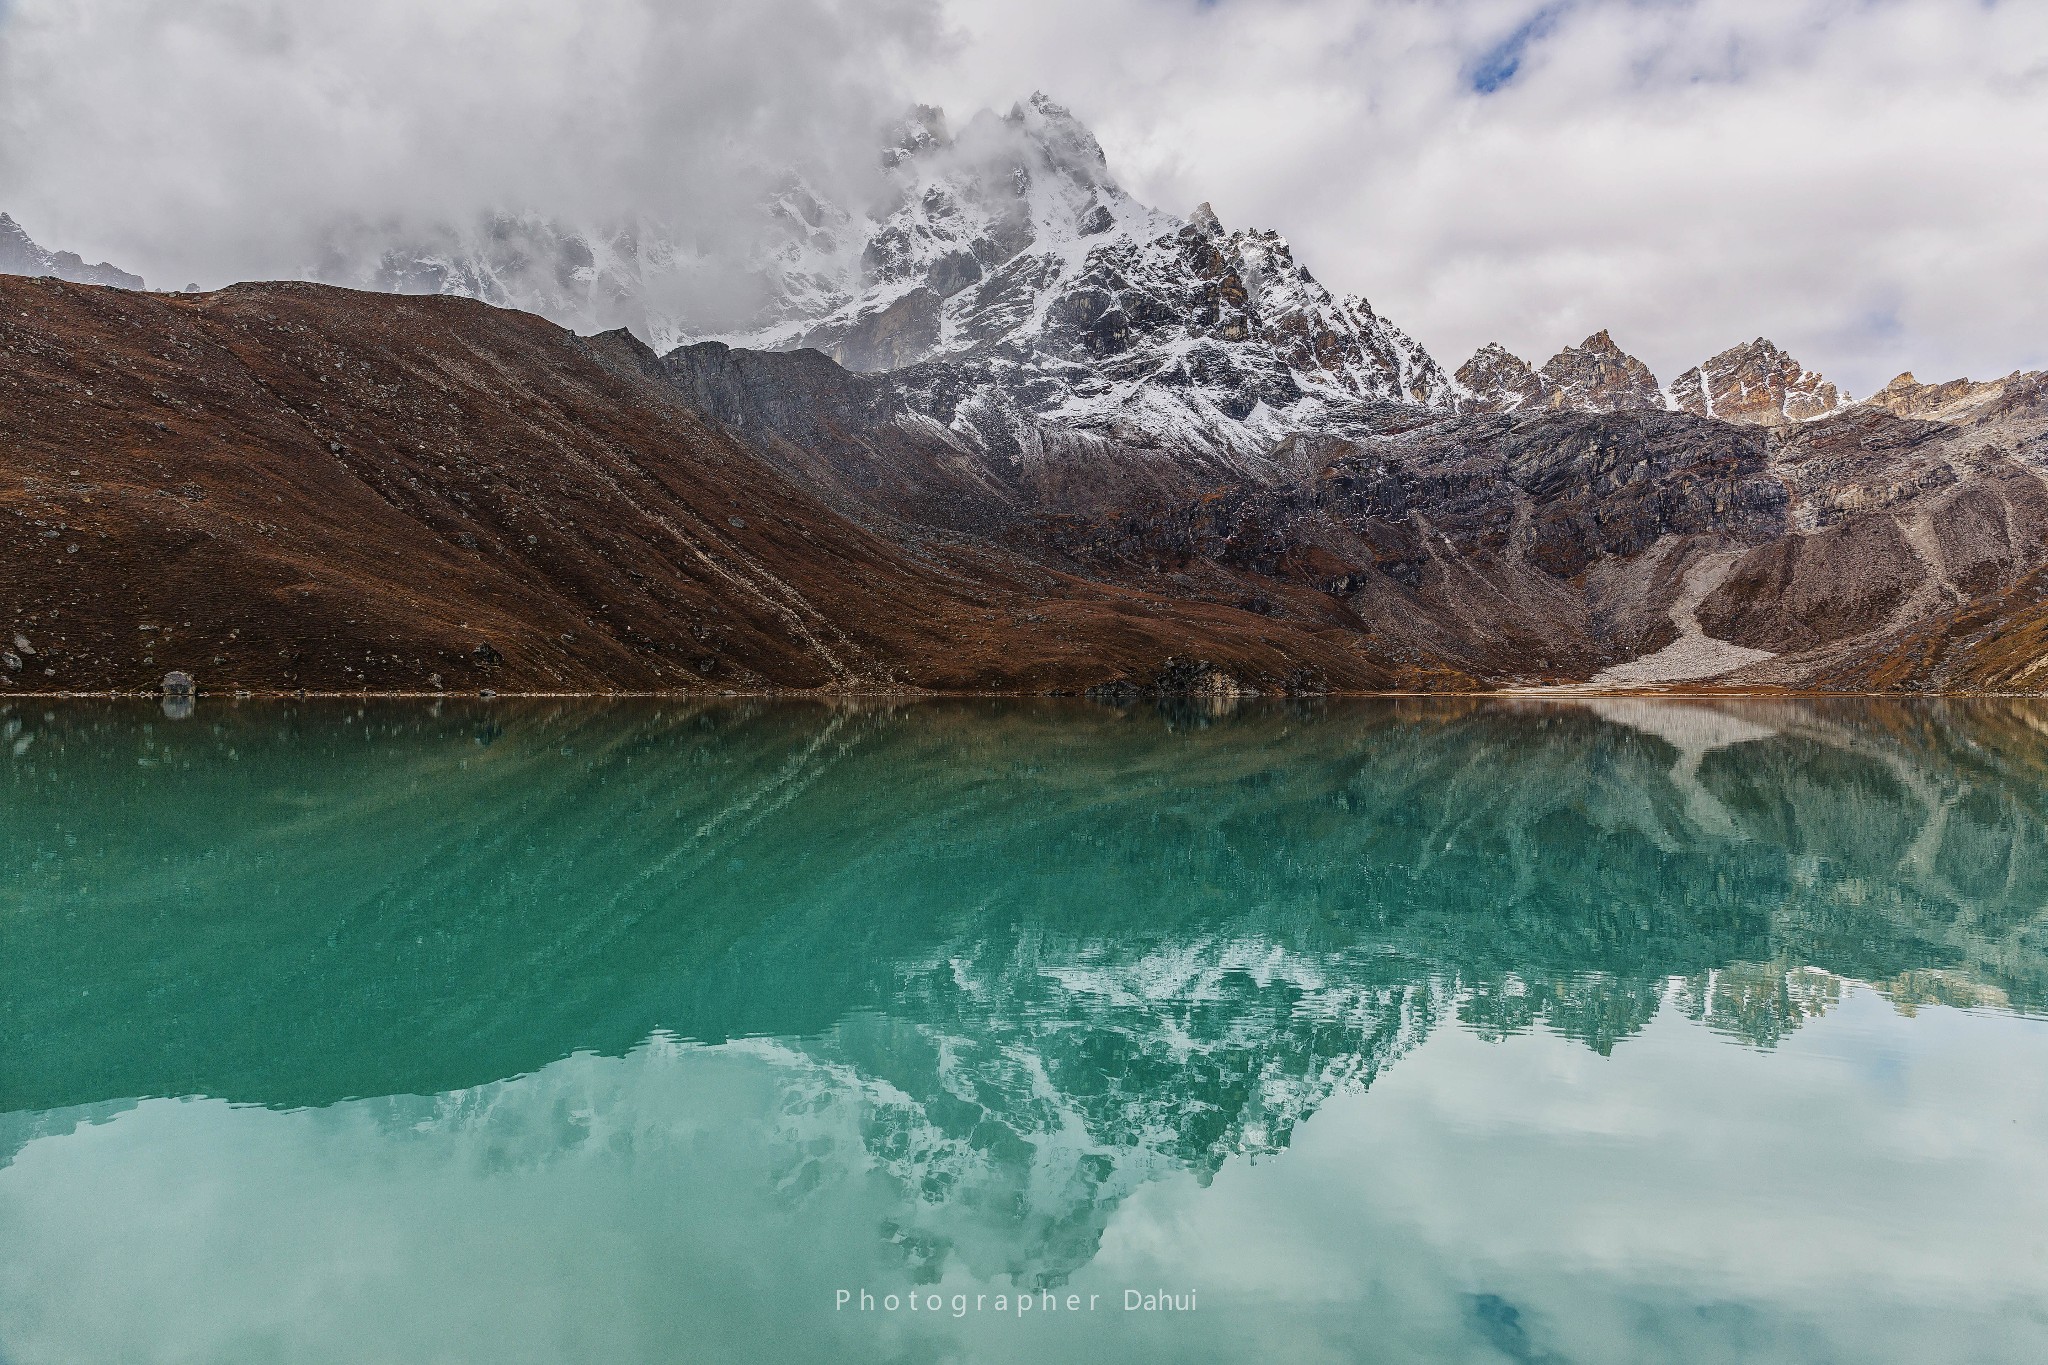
[
  {"x": 1004, "y": 249},
  {"x": 1010, "y": 249},
  {"x": 1032, "y": 184}
]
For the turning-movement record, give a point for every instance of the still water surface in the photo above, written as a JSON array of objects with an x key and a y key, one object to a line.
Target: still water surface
[{"x": 1631, "y": 1031}]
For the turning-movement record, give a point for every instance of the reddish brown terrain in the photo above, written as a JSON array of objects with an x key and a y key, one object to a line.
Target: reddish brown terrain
[{"x": 290, "y": 486}]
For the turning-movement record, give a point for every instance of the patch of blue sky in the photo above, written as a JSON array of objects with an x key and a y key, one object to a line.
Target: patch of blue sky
[{"x": 1498, "y": 66}]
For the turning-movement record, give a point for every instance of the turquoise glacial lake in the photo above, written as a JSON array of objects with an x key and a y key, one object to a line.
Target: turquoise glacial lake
[{"x": 1541, "y": 1031}]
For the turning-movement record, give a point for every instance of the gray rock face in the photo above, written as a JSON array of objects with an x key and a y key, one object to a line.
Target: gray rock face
[
  {"x": 891, "y": 336},
  {"x": 1508, "y": 547},
  {"x": 19, "y": 255},
  {"x": 1948, "y": 401}
]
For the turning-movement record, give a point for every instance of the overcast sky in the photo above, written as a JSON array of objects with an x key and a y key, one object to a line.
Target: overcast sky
[{"x": 1865, "y": 181}]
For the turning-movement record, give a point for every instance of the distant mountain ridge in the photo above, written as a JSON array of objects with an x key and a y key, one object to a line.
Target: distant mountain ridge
[
  {"x": 1754, "y": 384},
  {"x": 1011, "y": 251},
  {"x": 1001, "y": 428},
  {"x": 19, "y": 255}
]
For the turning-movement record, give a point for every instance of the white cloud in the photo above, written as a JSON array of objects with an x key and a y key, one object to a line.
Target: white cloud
[{"x": 221, "y": 138}]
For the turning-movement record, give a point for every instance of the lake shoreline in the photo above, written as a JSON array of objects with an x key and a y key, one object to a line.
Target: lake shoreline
[{"x": 1552, "y": 692}]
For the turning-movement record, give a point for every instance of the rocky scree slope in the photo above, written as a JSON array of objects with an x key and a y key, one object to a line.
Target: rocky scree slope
[{"x": 1860, "y": 552}]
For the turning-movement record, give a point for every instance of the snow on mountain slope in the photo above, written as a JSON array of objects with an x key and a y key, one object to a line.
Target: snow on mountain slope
[
  {"x": 1495, "y": 379},
  {"x": 1754, "y": 384},
  {"x": 1598, "y": 376},
  {"x": 1950, "y": 401}
]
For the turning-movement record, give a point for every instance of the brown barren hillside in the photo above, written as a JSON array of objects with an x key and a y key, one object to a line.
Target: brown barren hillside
[{"x": 288, "y": 486}]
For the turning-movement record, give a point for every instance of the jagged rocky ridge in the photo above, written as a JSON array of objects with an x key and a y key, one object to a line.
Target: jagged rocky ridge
[
  {"x": 1752, "y": 384},
  {"x": 1756, "y": 383},
  {"x": 1635, "y": 547},
  {"x": 1011, "y": 253},
  {"x": 19, "y": 255}
]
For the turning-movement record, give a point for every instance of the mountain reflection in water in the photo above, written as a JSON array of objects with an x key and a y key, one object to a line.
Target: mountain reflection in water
[{"x": 1034, "y": 955}]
